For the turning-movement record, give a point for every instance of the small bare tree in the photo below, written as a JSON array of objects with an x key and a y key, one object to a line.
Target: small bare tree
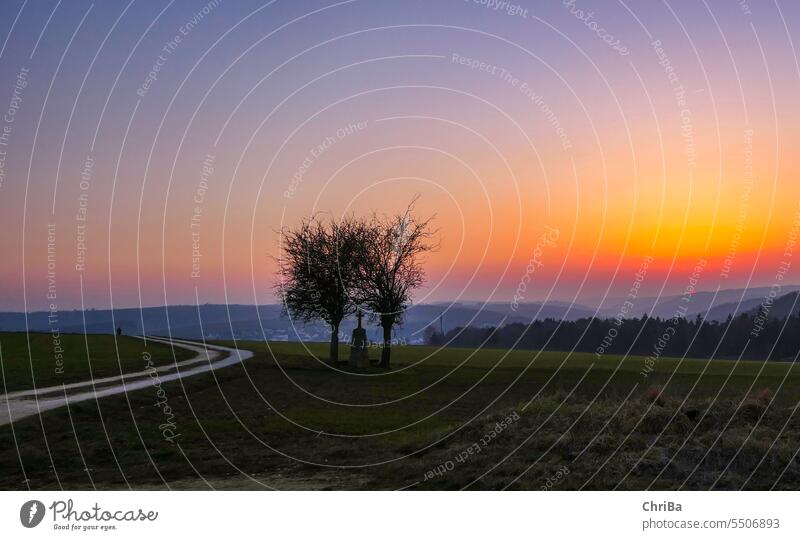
[
  {"x": 390, "y": 267},
  {"x": 316, "y": 271}
]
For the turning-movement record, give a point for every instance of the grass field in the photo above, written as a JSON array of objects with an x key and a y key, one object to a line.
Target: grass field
[
  {"x": 285, "y": 419},
  {"x": 38, "y": 358}
]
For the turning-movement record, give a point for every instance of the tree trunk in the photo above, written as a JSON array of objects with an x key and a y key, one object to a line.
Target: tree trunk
[
  {"x": 387, "y": 346},
  {"x": 334, "y": 353}
]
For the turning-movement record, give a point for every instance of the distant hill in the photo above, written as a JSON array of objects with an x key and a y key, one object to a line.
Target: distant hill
[
  {"x": 781, "y": 307},
  {"x": 721, "y": 312},
  {"x": 217, "y": 321},
  {"x": 725, "y": 303}
]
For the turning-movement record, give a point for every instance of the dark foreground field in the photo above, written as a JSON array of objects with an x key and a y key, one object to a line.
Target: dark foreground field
[{"x": 445, "y": 419}]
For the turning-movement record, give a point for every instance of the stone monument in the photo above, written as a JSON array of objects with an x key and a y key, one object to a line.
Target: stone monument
[{"x": 359, "y": 348}]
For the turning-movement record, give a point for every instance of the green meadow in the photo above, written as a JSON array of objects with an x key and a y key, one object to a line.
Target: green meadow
[
  {"x": 42, "y": 359},
  {"x": 287, "y": 419}
]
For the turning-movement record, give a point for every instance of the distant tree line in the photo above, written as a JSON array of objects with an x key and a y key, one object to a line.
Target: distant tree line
[{"x": 749, "y": 336}]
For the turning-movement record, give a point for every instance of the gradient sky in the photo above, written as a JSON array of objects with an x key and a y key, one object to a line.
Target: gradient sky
[{"x": 679, "y": 152}]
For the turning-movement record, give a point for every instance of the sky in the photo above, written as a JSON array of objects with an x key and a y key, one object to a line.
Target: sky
[{"x": 150, "y": 152}]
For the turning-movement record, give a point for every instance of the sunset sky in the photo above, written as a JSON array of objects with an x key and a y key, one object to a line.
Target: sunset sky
[{"x": 617, "y": 130}]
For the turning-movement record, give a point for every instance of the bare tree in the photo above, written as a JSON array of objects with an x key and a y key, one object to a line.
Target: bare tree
[
  {"x": 390, "y": 267},
  {"x": 317, "y": 268}
]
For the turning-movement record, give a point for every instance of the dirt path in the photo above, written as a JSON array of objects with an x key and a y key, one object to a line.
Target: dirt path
[{"x": 18, "y": 405}]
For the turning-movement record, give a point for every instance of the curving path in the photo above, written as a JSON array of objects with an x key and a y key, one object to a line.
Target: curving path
[{"x": 15, "y": 406}]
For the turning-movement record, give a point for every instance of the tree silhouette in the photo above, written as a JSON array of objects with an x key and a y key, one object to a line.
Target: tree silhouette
[
  {"x": 317, "y": 268},
  {"x": 390, "y": 267}
]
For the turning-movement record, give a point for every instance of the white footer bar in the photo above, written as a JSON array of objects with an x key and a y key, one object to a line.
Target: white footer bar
[{"x": 399, "y": 515}]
